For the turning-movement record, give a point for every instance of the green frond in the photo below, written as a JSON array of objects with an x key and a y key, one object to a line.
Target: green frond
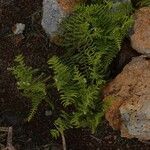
[
  {"x": 60, "y": 79},
  {"x": 33, "y": 110},
  {"x": 63, "y": 79},
  {"x": 31, "y": 84},
  {"x": 55, "y": 133}
]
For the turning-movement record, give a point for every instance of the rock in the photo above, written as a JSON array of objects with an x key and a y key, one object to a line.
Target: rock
[
  {"x": 69, "y": 5},
  {"x": 52, "y": 16},
  {"x": 113, "y": 115},
  {"x": 140, "y": 39},
  {"x": 130, "y": 90},
  {"x": 18, "y": 28},
  {"x": 54, "y": 11}
]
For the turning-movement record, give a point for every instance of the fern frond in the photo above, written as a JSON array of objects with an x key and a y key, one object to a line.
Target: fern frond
[
  {"x": 32, "y": 86},
  {"x": 63, "y": 80},
  {"x": 55, "y": 133}
]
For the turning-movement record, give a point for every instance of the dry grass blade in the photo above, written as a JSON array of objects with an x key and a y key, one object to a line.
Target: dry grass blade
[
  {"x": 9, "y": 137},
  {"x": 4, "y": 129}
]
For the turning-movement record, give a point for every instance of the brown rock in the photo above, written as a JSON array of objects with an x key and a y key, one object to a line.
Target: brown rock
[
  {"x": 113, "y": 115},
  {"x": 140, "y": 40},
  {"x": 69, "y": 5},
  {"x": 130, "y": 111}
]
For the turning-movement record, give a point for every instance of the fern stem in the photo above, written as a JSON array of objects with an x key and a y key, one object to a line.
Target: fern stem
[{"x": 63, "y": 141}]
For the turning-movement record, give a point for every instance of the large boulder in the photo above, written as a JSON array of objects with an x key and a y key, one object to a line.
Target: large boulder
[
  {"x": 54, "y": 11},
  {"x": 130, "y": 109},
  {"x": 140, "y": 39}
]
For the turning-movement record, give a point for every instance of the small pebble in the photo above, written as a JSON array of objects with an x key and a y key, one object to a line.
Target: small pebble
[
  {"x": 18, "y": 28},
  {"x": 48, "y": 113}
]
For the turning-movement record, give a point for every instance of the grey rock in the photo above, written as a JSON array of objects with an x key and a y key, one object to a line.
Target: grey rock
[{"x": 52, "y": 16}]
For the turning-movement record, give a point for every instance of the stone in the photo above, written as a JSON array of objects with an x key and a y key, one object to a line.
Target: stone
[
  {"x": 52, "y": 16},
  {"x": 130, "y": 110},
  {"x": 54, "y": 11},
  {"x": 69, "y": 5},
  {"x": 18, "y": 28},
  {"x": 114, "y": 116},
  {"x": 140, "y": 39}
]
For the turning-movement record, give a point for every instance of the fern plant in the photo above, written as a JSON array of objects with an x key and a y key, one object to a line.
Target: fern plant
[
  {"x": 31, "y": 85},
  {"x": 77, "y": 93},
  {"x": 92, "y": 38}
]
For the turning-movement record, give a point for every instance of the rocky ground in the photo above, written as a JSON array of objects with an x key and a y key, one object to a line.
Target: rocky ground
[{"x": 35, "y": 45}]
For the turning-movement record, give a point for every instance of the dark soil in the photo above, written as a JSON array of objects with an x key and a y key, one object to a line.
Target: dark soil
[{"x": 14, "y": 108}]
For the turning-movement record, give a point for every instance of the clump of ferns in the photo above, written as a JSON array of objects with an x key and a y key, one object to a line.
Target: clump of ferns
[
  {"x": 92, "y": 38},
  {"x": 77, "y": 93}
]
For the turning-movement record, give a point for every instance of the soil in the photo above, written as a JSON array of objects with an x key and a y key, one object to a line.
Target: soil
[{"x": 14, "y": 108}]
